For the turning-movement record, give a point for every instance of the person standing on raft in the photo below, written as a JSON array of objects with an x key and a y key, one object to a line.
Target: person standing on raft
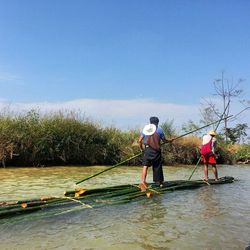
[
  {"x": 208, "y": 153},
  {"x": 150, "y": 143}
]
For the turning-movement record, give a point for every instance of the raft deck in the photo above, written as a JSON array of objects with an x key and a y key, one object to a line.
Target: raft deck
[{"x": 91, "y": 198}]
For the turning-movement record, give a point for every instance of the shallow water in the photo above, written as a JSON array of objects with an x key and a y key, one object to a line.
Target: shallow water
[{"x": 210, "y": 217}]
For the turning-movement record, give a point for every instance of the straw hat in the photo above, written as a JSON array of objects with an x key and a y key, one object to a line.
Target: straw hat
[
  {"x": 149, "y": 129},
  {"x": 212, "y": 132}
]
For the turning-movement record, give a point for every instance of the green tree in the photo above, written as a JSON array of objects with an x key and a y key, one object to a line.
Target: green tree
[
  {"x": 238, "y": 133},
  {"x": 226, "y": 90}
]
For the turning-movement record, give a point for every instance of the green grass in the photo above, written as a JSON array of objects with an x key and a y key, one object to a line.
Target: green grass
[{"x": 70, "y": 139}]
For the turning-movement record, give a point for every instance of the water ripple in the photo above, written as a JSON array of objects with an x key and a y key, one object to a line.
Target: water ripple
[{"x": 211, "y": 217}]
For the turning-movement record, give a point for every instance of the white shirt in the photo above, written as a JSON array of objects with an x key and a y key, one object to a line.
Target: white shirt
[{"x": 206, "y": 139}]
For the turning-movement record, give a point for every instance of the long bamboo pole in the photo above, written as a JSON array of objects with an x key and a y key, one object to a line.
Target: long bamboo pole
[
  {"x": 202, "y": 127},
  {"x": 134, "y": 156},
  {"x": 107, "y": 169},
  {"x": 222, "y": 118}
]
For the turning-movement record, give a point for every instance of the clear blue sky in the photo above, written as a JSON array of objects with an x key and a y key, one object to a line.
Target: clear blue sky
[{"x": 58, "y": 52}]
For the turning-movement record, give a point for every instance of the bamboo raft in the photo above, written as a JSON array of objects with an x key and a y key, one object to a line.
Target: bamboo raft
[{"x": 91, "y": 198}]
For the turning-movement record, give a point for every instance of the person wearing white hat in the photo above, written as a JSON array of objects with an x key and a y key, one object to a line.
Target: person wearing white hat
[
  {"x": 150, "y": 142},
  {"x": 208, "y": 153}
]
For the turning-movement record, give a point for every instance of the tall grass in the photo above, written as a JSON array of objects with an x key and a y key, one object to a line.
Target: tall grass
[
  {"x": 240, "y": 153},
  {"x": 186, "y": 150},
  {"x": 69, "y": 139},
  {"x": 60, "y": 139}
]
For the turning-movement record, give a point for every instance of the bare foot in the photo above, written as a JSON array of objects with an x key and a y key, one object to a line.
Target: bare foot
[{"x": 143, "y": 186}]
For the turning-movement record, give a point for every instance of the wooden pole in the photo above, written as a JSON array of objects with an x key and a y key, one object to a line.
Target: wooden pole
[{"x": 107, "y": 169}]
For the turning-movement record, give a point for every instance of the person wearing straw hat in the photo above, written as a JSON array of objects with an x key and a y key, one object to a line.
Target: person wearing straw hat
[
  {"x": 208, "y": 153},
  {"x": 150, "y": 142}
]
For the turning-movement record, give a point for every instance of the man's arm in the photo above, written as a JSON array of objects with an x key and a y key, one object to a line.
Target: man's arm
[
  {"x": 163, "y": 137},
  {"x": 166, "y": 140}
]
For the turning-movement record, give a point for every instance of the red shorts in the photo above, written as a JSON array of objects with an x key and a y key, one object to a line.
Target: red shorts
[{"x": 209, "y": 159}]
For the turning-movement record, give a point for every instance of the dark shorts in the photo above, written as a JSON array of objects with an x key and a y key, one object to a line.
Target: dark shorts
[{"x": 152, "y": 158}]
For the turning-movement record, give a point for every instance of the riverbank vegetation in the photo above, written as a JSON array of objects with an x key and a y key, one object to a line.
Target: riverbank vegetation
[{"x": 68, "y": 139}]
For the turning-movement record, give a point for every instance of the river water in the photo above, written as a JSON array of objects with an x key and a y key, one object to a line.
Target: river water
[{"x": 210, "y": 217}]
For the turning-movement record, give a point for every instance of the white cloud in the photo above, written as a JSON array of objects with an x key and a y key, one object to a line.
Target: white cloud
[
  {"x": 123, "y": 114},
  {"x": 120, "y": 113}
]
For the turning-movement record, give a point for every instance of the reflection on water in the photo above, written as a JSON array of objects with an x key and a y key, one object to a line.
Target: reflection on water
[
  {"x": 209, "y": 202},
  {"x": 211, "y": 217}
]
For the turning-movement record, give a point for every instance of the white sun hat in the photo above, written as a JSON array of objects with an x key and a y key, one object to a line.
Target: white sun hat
[{"x": 149, "y": 129}]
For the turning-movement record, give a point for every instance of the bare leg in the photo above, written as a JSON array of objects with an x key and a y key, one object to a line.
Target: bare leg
[
  {"x": 143, "y": 185},
  {"x": 215, "y": 172},
  {"x": 206, "y": 171},
  {"x": 144, "y": 174}
]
